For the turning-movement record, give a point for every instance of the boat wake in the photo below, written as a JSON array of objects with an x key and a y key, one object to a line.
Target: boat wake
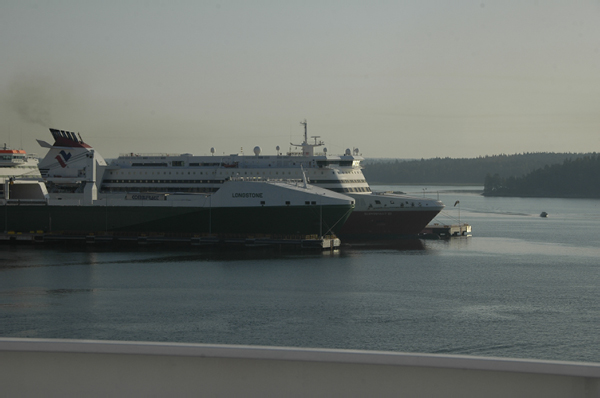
[{"x": 499, "y": 212}]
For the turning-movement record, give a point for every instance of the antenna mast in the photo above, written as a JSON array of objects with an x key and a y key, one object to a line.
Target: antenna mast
[{"x": 305, "y": 130}]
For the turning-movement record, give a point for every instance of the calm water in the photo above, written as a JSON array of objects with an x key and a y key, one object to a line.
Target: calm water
[{"x": 522, "y": 286}]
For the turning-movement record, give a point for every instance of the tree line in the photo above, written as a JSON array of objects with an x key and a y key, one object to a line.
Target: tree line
[
  {"x": 459, "y": 171},
  {"x": 578, "y": 177}
]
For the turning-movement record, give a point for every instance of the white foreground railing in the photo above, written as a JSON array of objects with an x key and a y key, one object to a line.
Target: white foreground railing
[{"x": 59, "y": 368}]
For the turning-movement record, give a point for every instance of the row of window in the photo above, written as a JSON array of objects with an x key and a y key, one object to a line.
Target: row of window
[
  {"x": 161, "y": 190},
  {"x": 205, "y": 189},
  {"x": 377, "y": 202},
  {"x": 343, "y": 163},
  {"x": 348, "y": 172},
  {"x": 163, "y": 181},
  {"x": 345, "y": 190},
  {"x": 10, "y": 157},
  {"x": 335, "y": 181},
  {"x": 221, "y": 172},
  {"x": 236, "y": 173},
  {"x": 206, "y": 164},
  {"x": 150, "y": 165},
  {"x": 109, "y": 181}
]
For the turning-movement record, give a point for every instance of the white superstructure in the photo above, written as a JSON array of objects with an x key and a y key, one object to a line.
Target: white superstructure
[{"x": 17, "y": 163}]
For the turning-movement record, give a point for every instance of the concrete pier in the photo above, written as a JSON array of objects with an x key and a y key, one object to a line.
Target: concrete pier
[
  {"x": 312, "y": 242},
  {"x": 446, "y": 230}
]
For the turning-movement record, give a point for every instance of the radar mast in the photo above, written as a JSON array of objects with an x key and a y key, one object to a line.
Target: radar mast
[{"x": 308, "y": 149}]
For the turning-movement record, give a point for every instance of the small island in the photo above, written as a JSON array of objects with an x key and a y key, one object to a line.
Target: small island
[
  {"x": 574, "y": 178},
  {"x": 563, "y": 175}
]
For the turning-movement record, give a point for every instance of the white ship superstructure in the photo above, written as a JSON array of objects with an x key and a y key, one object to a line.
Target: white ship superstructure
[
  {"x": 17, "y": 163},
  {"x": 189, "y": 173}
]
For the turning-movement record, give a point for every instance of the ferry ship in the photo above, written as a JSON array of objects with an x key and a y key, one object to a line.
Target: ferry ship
[
  {"x": 18, "y": 164},
  {"x": 238, "y": 208},
  {"x": 376, "y": 215},
  {"x": 68, "y": 201}
]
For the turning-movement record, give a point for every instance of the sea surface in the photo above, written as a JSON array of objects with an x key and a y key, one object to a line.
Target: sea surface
[{"x": 522, "y": 286}]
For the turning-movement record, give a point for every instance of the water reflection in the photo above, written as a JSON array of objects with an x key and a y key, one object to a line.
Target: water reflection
[
  {"x": 30, "y": 256},
  {"x": 454, "y": 243},
  {"x": 61, "y": 256},
  {"x": 62, "y": 292},
  {"x": 401, "y": 245}
]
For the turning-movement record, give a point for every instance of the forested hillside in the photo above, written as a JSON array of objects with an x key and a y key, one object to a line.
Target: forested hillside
[
  {"x": 459, "y": 171},
  {"x": 573, "y": 178}
]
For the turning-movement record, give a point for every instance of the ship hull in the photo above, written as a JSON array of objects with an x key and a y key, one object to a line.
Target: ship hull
[
  {"x": 288, "y": 220},
  {"x": 386, "y": 215},
  {"x": 385, "y": 224}
]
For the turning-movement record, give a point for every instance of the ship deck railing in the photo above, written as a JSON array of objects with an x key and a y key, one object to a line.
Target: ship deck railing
[
  {"x": 60, "y": 367},
  {"x": 148, "y": 155},
  {"x": 18, "y": 202},
  {"x": 265, "y": 179}
]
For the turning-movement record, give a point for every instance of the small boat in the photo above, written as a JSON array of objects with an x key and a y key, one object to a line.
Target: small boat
[{"x": 544, "y": 214}]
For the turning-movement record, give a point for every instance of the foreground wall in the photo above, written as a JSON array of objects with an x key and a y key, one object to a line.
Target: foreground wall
[{"x": 58, "y": 368}]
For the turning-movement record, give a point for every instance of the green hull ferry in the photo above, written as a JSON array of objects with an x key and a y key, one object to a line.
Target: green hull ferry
[{"x": 245, "y": 208}]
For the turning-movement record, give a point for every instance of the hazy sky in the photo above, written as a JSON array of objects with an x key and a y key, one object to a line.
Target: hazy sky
[{"x": 405, "y": 79}]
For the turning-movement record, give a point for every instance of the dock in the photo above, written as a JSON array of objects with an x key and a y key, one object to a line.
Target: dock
[
  {"x": 304, "y": 242},
  {"x": 445, "y": 231}
]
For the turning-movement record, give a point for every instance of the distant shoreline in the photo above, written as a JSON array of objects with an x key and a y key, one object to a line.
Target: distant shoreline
[
  {"x": 448, "y": 184},
  {"x": 541, "y": 196}
]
